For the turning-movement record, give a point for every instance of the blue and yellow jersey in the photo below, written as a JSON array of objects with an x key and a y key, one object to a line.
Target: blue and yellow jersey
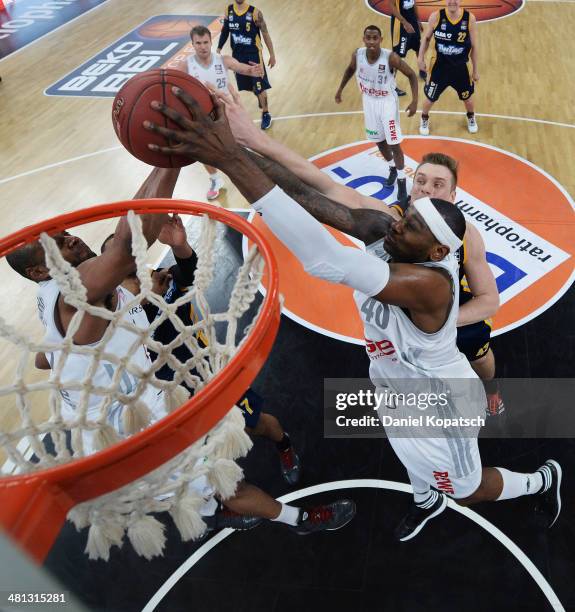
[
  {"x": 243, "y": 30},
  {"x": 452, "y": 40}
]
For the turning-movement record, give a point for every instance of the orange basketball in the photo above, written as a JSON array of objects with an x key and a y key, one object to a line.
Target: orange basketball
[
  {"x": 168, "y": 28},
  {"x": 131, "y": 108},
  {"x": 484, "y": 10}
]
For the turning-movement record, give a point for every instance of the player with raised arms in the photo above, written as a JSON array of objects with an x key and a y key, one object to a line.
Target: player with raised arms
[{"x": 415, "y": 286}]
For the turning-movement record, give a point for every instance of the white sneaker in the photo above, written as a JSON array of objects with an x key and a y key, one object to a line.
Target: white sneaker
[
  {"x": 472, "y": 125},
  {"x": 424, "y": 127},
  {"x": 216, "y": 184}
]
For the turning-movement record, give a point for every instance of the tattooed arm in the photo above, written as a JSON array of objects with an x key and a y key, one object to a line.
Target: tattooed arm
[{"x": 365, "y": 224}]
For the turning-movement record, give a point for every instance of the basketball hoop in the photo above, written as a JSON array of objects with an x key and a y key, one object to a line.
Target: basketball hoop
[{"x": 95, "y": 489}]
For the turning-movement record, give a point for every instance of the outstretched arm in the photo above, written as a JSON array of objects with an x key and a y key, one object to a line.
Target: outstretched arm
[
  {"x": 366, "y": 225},
  {"x": 252, "y": 69},
  {"x": 247, "y": 134},
  {"x": 101, "y": 275},
  {"x": 211, "y": 142}
]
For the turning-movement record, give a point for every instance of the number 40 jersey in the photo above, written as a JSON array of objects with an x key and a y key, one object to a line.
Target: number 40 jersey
[
  {"x": 215, "y": 73},
  {"x": 400, "y": 350}
]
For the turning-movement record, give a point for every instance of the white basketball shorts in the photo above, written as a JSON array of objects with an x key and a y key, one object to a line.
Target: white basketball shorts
[
  {"x": 382, "y": 119},
  {"x": 451, "y": 465}
]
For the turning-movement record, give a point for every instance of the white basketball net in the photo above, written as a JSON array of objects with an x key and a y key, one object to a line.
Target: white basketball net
[{"x": 170, "y": 487}]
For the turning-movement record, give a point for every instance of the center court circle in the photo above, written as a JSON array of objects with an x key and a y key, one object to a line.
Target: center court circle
[{"x": 525, "y": 217}]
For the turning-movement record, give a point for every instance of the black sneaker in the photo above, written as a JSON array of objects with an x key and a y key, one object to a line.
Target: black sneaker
[
  {"x": 549, "y": 503},
  {"x": 399, "y": 92},
  {"x": 325, "y": 518},
  {"x": 290, "y": 466},
  {"x": 402, "y": 190},
  {"x": 227, "y": 519},
  {"x": 414, "y": 521},
  {"x": 392, "y": 176},
  {"x": 266, "y": 121}
]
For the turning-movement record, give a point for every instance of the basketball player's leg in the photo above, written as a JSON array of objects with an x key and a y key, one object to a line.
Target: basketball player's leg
[
  {"x": 260, "y": 87},
  {"x": 216, "y": 182},
  {"x": 500, "y": 484},
  {"x": 387, "y": 154},
  {"x": 484, "y": 367},
  {"x": 459, "y": 473},
  {"x": 250, "y": 501},
  {"x": 375, "y": 133},
  {"x": 473, "y": 341},
  {"x": 389, "y": 118},
  {"x": 427, "y": 504},
  {"x": 435, "y": 86},
  {"x": 260, "y": 423},
  {"x": 465, "y": 87}
]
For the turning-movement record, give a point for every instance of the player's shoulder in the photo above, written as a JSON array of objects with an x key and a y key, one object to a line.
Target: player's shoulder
[
  {"x": 434, "y": 17},
  {"x": 473, "y": 240}
]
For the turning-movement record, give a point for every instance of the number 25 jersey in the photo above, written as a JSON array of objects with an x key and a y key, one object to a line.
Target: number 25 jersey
[{"x": 215, "y": 73}]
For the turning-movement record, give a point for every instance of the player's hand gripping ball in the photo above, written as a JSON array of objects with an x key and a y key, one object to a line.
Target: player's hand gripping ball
[{"x": 132, "y": 107}]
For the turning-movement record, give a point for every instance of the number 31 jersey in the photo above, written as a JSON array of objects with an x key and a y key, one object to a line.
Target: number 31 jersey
[{"x": 215, "y": 73}]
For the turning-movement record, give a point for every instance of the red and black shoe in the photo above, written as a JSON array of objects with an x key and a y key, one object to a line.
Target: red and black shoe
[
  {"x": 495, "y": 405},
  {"x": 325, "y": 518},
  {"x": 290, "y": 466}
]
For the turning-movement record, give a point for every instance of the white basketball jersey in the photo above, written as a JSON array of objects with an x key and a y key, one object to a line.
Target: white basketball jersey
[
  {"x": 375, "y": 80},
  {"x": 400, "y": 350},
  {"x": 77, "y": 366},
  {"x": 215, "y": 73}
]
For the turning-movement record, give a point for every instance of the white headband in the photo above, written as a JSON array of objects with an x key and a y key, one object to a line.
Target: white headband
[{"x": 437, "y": 224}]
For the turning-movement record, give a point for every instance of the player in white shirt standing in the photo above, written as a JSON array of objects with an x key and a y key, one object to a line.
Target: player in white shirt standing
[
  {"x": 374, "y": 68},
  {"x": 213, "y": 68}
]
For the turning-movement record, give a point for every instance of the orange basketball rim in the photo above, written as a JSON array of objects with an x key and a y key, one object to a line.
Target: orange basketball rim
[{"x": 34, "y": 506}]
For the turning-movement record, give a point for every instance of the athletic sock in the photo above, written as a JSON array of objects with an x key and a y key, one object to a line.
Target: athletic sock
[
  {"x": 430, "y": 499},
  {"x": 391, "y": 165},
  {"x": 418, "y": 498},
  {"x": 401, "y": 174},
  {"x": 425, "y": 117},
  {"x": 284, "y": 444},
  {"x": 517, "y": 484},
  {"x": 289, "y": 515},
  {"x": 470, "y": 115}
]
